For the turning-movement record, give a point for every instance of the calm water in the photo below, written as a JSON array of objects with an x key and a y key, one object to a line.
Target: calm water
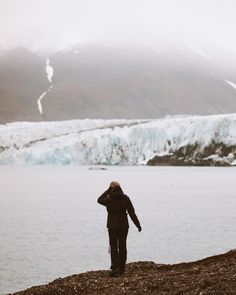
[{"x": 51, "y": 225}]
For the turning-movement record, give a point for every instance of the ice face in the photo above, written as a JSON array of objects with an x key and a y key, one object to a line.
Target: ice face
[{"x": 119, "y": 142}]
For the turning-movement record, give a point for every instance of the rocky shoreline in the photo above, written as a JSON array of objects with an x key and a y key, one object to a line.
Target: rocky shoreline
[
  {"x": 214, "y": 154},
  {"x": 212, "y": 275}
]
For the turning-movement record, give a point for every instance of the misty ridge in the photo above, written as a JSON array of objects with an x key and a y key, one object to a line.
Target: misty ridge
[
  {"x": 116, "y": 81},
  {"x": 116, "y": 59}
]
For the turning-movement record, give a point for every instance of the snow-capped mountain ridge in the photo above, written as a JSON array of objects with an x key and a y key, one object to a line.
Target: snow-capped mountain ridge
[{"x": 198, "y": 140}]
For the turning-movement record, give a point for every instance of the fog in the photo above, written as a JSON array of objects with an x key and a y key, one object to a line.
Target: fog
[{"x": 57, "y": 24}]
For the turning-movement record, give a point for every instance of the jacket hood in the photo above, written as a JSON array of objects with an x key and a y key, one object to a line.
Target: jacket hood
[{"x": 116, "y": 192}]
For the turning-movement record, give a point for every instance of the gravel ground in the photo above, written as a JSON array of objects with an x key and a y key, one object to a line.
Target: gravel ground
[{"x": 212, "y": 275}]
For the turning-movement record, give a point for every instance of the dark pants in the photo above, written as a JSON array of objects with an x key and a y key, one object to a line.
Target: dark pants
[{"x": 117, "y": 238}]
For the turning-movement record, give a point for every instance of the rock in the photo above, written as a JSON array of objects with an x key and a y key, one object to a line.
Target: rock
[{"x": 214, "y": 154}]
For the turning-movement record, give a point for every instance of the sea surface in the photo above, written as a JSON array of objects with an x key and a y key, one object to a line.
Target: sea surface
[{"x": 52, "y": 226}]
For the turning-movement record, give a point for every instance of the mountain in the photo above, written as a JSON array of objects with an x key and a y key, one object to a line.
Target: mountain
[
  {"x": 22, "y": 80},
  {"x": 111, "y": 82},
  {"x": 99, "y": 81},
  {"x": 194, "y": 140}
]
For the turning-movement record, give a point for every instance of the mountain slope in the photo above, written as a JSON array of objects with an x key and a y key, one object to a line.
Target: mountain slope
[
  {"x": 98, "y": 81},
  {"x": 22, "y": 80},
  {"x": 108, "y": 82}
]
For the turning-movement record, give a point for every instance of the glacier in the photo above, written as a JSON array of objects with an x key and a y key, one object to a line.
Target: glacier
[{"x": 178, "y": 140}]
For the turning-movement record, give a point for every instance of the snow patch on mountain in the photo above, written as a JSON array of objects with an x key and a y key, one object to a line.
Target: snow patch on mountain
[
  {"x": 39, "y": 101},
  {"x": 231, "y": 84},
  {"x": 198, "y": 51},
  {"x": 40, "y": 107},
  {"x": 49, "y": 70},
  {"x": 194, "y": 140}
]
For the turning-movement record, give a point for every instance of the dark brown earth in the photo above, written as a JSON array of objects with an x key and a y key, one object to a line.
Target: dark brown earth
[{"x": 212, "y": 275}]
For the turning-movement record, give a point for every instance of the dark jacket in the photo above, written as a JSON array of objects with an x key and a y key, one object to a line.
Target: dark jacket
[{"x": 118, "y": 204}]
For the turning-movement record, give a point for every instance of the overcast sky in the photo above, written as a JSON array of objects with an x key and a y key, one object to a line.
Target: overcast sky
[{"x": 56, "y": 24}]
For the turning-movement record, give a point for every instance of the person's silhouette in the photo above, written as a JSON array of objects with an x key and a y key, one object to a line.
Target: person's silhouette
[{"x": 118, "y": 204}]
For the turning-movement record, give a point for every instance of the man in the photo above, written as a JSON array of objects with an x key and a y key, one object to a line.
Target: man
[{"x": 118, "y": 204}]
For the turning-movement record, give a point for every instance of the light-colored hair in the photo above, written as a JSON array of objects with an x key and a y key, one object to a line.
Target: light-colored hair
[{"x": 114, "y": 184}]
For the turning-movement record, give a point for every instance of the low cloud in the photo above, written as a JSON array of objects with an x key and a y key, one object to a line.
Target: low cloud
[{"x": 55, "y": 24}]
